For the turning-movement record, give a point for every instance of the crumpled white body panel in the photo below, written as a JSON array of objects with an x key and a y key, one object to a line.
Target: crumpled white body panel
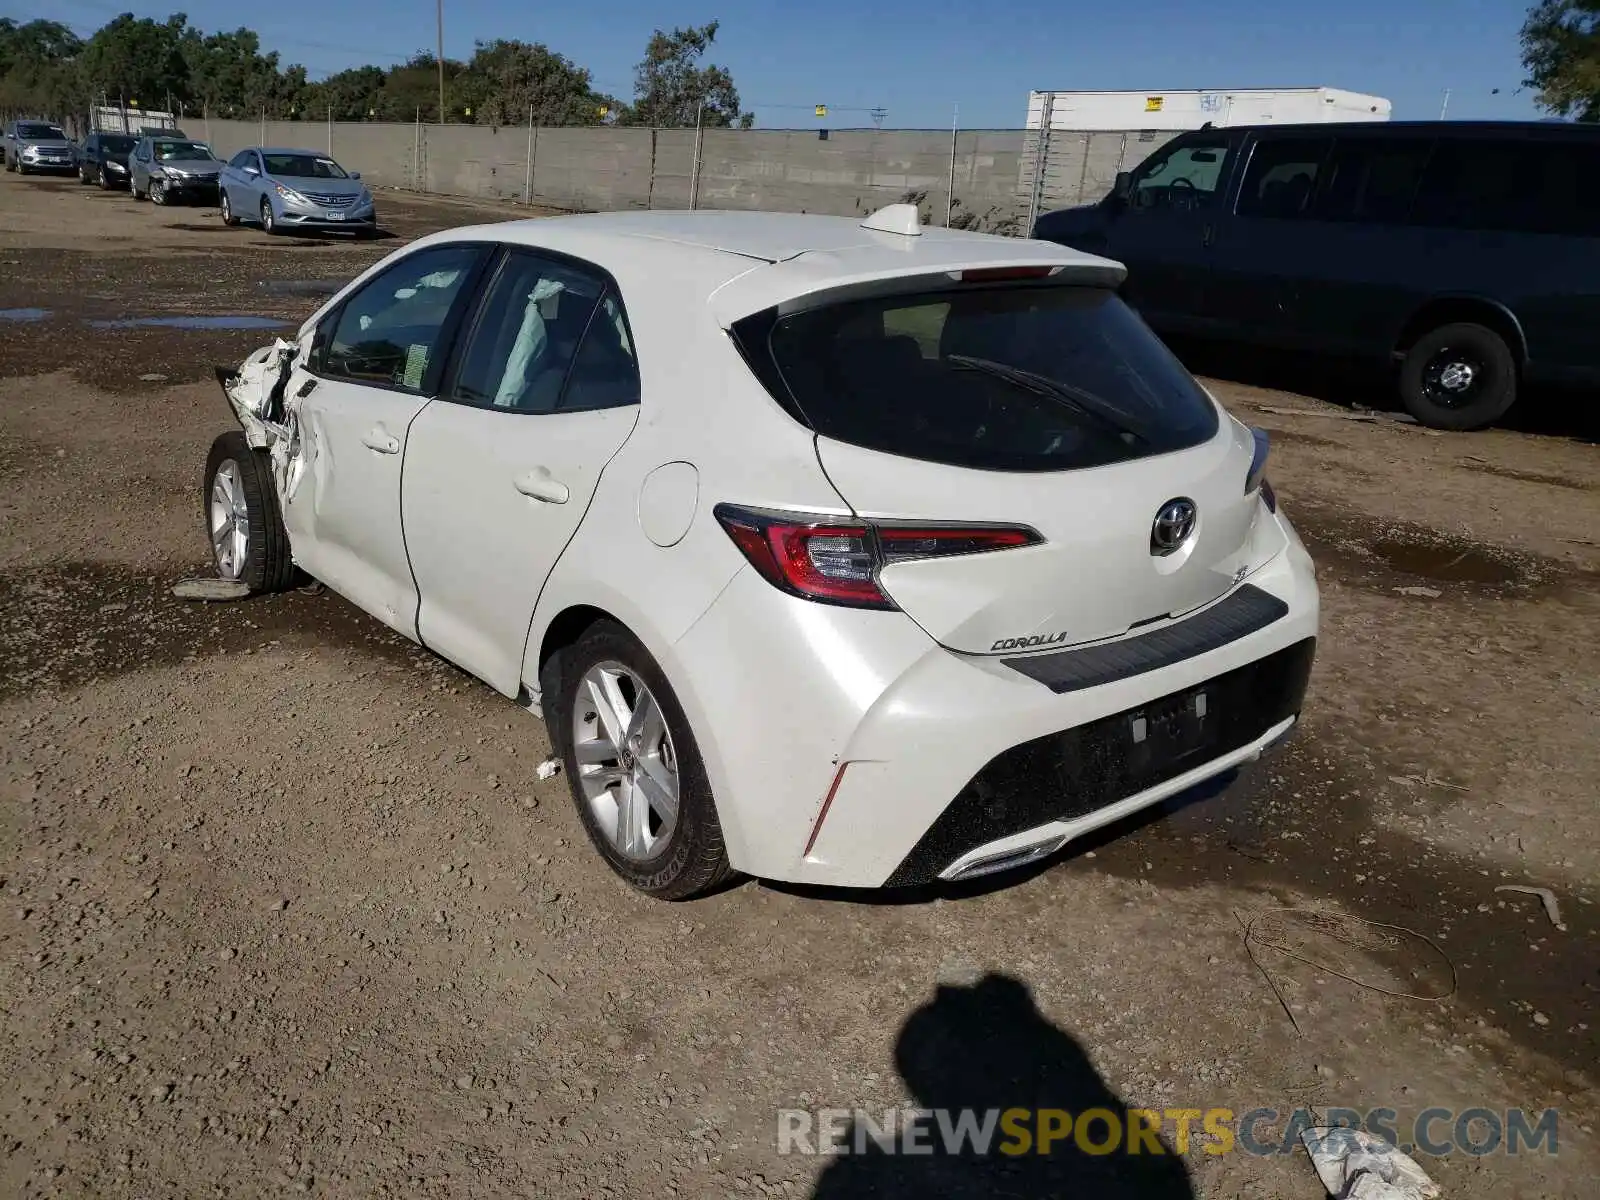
[{"x": 251, "y": 397}]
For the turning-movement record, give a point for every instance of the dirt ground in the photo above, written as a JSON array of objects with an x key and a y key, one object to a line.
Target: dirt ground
[{"x": 284, "y": 908}]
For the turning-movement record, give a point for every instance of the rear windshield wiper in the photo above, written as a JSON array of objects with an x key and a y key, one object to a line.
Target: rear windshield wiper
[{"x": 1076, "y": 398}]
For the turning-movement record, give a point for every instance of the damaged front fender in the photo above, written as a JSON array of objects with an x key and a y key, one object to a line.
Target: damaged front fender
[{"x": 258, "y": 393}]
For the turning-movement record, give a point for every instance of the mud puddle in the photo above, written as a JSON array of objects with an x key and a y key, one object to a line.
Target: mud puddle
[
  {"x": 1386, "y": 555},
  {"x": 23, "y": 314}
]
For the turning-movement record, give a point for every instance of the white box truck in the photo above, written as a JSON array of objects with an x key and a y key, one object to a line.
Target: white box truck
[{"x": 1084, "y": 111}]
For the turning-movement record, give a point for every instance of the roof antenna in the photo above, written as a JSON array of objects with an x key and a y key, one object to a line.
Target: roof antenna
[{"x": 905, "y": 219}]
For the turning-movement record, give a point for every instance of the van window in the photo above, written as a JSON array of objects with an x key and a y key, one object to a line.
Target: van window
[
  {"x": 1512, "y": 186},
  {"x": 1372, "y": 179},
  {"x": 1282, "y": 176},
  {"x": 1186, "y": 178}
]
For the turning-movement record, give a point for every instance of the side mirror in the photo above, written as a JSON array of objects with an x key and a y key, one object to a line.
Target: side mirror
[
  {"x": 355, "y": 174},
  {"x": 1123, "y": 186}
]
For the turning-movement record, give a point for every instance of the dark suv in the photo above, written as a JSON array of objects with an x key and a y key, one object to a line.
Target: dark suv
[
  {"x": 1466, "y": 252},
  {"x": 104, "y": 159}
]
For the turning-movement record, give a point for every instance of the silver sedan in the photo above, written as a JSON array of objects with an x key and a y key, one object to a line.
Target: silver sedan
[{"x": 295, "y": 189}]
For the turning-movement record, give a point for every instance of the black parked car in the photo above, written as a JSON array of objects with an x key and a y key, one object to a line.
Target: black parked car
[
  {"x": 1466, "y": 252},
  {"x": 104, "y": 159}
]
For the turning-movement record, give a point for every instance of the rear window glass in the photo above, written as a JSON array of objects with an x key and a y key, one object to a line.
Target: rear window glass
[{"x": 1013, "y": 378}]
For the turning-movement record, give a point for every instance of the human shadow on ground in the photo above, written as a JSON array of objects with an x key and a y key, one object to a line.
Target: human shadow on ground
[{"x": 987, "y": 1048}]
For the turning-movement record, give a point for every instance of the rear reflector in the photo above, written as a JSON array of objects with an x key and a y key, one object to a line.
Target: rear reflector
[{"x": 838, "y": 563}]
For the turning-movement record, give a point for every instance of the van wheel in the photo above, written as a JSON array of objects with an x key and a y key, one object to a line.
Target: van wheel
[
  {"x": 243, "y": 522},
  {"x": 1459, "y": 377},
  {"x": 631, "y": 761}
]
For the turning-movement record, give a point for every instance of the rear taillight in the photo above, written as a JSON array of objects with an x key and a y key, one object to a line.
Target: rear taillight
[
  {"x": 1257, "y": 478},
  {"x": 837, "y": 562}
]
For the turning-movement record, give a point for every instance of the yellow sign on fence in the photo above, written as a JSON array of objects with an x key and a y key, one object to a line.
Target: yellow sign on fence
[
  {"x": 822, "y": 110},
  {"x": 1153, "y": 103}
]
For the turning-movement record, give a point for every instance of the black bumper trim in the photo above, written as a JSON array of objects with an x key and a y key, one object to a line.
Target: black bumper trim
[
  {"x": 1247, "y": 611},
  {"x": 1070, "y": 774}
]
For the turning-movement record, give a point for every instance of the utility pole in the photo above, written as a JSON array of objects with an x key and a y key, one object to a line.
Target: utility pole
[
  {"x": 441, "y": 61},
  {"x": 1443, "y": 108}
]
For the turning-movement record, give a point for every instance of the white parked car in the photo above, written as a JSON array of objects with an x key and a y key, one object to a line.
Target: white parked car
[{"x": 837, "y": 552}]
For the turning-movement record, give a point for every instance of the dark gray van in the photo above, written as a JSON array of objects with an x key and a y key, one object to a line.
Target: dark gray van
[{"x": 1467, "y": 252}]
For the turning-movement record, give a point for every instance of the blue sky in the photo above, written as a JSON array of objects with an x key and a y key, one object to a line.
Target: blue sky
[{"x": 918, "y": 60}]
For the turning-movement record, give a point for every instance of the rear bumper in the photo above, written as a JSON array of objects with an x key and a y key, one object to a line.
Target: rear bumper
[{"x": 851, "y": 750}]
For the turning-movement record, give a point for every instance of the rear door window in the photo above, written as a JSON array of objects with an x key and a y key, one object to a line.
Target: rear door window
[
  {"x": 552, "y": 337},
  {"x": 1372, "y": 179},
  {"x": 1004, "y": 378},
  {"x": 1282, "y": 177}
]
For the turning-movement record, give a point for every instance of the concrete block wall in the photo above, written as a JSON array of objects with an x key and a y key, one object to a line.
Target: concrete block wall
[{"x": 848, "y": 172}]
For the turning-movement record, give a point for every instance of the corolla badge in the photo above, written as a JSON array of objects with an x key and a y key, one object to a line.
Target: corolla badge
[{"x": 1173, "y": 524}]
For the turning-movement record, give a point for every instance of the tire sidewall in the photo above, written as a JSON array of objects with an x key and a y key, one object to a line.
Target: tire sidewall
[
  {"x": 1487, "y": 346},
  {"x": 267, "y": 565},
  {"x": 672, "y": 874}
]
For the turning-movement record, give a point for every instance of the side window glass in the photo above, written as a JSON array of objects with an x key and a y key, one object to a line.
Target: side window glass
[
  {"x": 605, "y": 373},
  {"x": 1372, "y": 179},
  {"x": 390, "y": 333},
  {"x": 240, "y": 160},
  {"x": 1188, "y": 178},
  {"x": 527, "y": 335},
  {"x": 1471, "y": 184},
  {"x": 1282, "y": 177}
]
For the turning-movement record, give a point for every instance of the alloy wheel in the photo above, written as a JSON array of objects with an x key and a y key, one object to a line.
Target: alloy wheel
[
  {"x": 230, "y": 521},
  {"x": 627, "y": 765}
]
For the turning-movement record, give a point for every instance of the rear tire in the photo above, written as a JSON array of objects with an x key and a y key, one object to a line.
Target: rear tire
[
  {"x": 1460, "y": 376},
  {"x": 263, "y": 559},
  {"x": 685, "y": 860}
]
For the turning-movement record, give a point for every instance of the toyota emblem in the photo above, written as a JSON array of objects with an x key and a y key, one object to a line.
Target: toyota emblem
[{"x": 1173, "y": 524}]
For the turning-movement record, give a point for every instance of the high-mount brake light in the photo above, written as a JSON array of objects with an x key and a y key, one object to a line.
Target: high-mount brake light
[
  {"x": 838, "y": 561},
  {"x": 1005, "y": 274}
]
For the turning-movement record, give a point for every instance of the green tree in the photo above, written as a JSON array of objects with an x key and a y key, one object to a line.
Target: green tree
[
  {"x": 670, "y": 87},
  {"x": 353, "y": 95},
  {"x": 507, "y": 78},
  {"x": 139, "y": 59},
  {"x": 228, "y": 70},
  {"x": 1561, "y": 52},
  {"x": 39, "y": 67}
]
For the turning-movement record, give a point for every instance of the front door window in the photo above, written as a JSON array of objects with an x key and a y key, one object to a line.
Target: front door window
[{"x": 1187, "y": 178}]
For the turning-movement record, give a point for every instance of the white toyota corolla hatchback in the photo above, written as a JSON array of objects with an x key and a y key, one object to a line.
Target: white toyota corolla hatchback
[{"x": 831, "y": 551}]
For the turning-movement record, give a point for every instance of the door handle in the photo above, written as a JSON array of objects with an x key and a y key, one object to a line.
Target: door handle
[
  {"x": 538, "y": 484},
  {"x": 380, "y": 440}
]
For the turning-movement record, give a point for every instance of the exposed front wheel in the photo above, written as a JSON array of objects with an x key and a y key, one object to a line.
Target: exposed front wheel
[
  {"x": 633, "y": 766},
  {"x": 158, "y": 191},
  {"x": 1461, "y": 376},
  {"x": 269, "y": 223},
  {"x": 227, "y": 210},
  {"x": 243, "y": 522}
]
